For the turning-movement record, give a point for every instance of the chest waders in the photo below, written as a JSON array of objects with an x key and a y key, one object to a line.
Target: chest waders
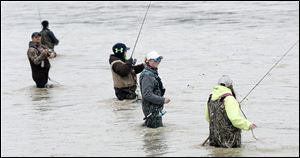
[{"x": 221, "y": 131}]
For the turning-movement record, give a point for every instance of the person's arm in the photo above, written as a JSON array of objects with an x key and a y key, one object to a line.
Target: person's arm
[
  {"x": 147, "y": 85},
  {"x": 122, "y": 69},
  {"x": 37, "y": 59},
  {"x": 234, "y": 114},
  {"x": 54, "y": 39},
  {"x": 138, "y": 68}
]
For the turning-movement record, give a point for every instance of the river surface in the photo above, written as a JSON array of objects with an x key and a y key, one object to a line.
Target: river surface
[{"x": 200, "y": 41}]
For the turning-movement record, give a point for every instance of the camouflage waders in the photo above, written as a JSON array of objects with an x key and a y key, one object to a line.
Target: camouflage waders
[{"x": 221, "y": 131}]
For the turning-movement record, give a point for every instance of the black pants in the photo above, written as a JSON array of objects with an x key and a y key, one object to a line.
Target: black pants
[
  {"x": 41, "y": 78},
  {"x": 125, "y": 93}
]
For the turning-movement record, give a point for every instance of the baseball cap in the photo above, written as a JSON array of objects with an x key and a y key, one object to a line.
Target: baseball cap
[
  {"x": 225, "y": 80},
  {"x": 35, "y": 34},
  {"x": 153, "y": 55}
]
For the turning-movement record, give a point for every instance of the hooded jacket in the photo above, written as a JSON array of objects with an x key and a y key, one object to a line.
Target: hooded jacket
[{"x": 232, "y": 108}]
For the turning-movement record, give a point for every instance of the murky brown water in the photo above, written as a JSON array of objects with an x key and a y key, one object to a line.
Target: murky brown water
[{"x": 200, "y": 41}]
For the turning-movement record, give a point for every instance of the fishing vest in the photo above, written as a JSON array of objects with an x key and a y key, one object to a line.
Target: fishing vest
[
  {"x": 158, "y": 90},
  {"x": 46, "y": 40},
  {"x": 221, "y": 131},
  {"x": 153, "y": 118},
  {"x": 123, "y": 82}
]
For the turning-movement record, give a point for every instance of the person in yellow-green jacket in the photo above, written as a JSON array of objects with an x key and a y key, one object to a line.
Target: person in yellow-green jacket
[{"x": 224, "y": 116}]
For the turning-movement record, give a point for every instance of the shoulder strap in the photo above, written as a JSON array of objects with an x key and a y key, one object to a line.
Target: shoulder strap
[
  {"x": 224, "y": 96},
  {"x": 34, "y": 47}
]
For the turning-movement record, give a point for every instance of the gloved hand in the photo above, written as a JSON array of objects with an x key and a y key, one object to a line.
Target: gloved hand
[{"x": 131, "y": 61}]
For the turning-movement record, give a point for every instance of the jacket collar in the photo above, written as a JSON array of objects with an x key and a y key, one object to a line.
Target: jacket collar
[{"x": 148, "y": 68}]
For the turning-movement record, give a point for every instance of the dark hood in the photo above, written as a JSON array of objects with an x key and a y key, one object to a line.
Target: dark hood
[
  {"x": 113, "y": 58},
  {"x": 32, "y": 44}
]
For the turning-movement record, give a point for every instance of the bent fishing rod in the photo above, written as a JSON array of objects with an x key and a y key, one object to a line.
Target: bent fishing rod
[
  {"x": 140, "y": 29},
  {"x": 276, "y": 63}
]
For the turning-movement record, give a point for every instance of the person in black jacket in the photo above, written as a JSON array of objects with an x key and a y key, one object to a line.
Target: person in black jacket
[{"x": 48, "y": 37}]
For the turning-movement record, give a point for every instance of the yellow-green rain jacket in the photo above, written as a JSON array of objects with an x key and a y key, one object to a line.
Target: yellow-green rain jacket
[{"x": 231, "y": 107}]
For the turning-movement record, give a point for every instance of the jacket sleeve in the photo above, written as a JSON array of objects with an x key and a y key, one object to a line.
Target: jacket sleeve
[
  {"x": 36, "y": 59},
  {"x": 122, "y": 69},
  {"x": 52, "y": 36},
  {"x": 138, "y": 68},
  {"x": 147, "y": 91},
  {"x": 234, "y": 114}
]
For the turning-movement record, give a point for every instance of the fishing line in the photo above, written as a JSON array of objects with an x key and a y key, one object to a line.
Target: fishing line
[{"x": 276, "y": 63}]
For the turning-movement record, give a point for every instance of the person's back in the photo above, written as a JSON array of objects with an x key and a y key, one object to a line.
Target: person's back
[
  {"x": 48, "y": 37},
  {"x": 223, "y": 113},
  {"x": 222, "y": 132}
]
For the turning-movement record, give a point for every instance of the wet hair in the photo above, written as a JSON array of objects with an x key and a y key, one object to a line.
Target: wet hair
[{"x": 45, "y": 23}]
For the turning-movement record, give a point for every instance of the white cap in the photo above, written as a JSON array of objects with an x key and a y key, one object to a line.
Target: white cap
[
  {"x": 225, "y": 80},
  {"x": 153, "y": 55}
]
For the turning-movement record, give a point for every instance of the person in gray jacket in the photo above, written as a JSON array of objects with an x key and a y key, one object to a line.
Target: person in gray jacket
[{"x": 152, "y": 90}]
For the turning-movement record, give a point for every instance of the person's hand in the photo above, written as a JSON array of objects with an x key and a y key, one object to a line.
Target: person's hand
[
  {"x": 167, "y": 100},
  {"x": 252, "y": 126},
  {"x": 52, "y": 55},
  {"x": 44, "y": 52},
  {"x": 131, "y": 61},
  {"x": 134, "y": 62}
]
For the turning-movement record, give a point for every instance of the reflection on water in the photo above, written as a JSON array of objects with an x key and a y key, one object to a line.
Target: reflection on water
[
  {"x": 41, "y": 99},
  {"x": 39, "y": 94},
  {"x": 155, "y": 141},
  {"x": 224, "y": 152}
]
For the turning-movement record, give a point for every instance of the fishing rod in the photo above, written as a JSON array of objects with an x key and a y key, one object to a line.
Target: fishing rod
[
  {"x": 140, "y": 29},
  {"x": 270, "y": 70},
  {"x": 40, "y": 14},
  {"x": 276, "y": 63},
  {"x": 264, "y": 78}
]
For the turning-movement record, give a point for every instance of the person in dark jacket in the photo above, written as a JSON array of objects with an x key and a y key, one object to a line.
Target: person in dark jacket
[
  {"x": 48, "y": 37},
  {"x": 153, "y": 91},
  {"x": 38, "y": 55},
  {"x": 124, "y": 72}
]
